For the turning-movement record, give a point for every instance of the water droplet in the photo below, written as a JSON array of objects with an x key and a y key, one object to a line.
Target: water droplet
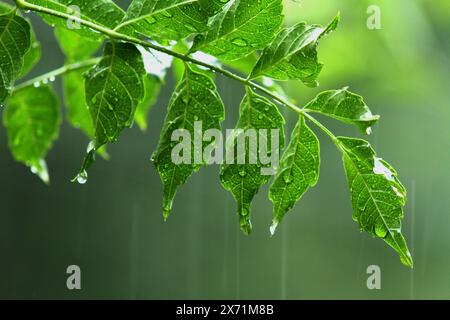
[
  {"x": 380, "y": 168},
  {"x": 381, "y": 231},
  {"x": 273, "y": 228},
  {"x": 151, "y": 20},
  {"x": 82, "y": 177},
  {"x": 266, "y": 109},
  {"x": 190, "y": 27},
  {"x": 90, "y": 147},
  {"x": 244, "y": 212},
  {"x": 287, "y": 178},
  {"x": 369, "y": 131},
  {"x": 260, "y": 117},
  {"x": 37, "y": 84},
  {"x": 40, "y": 169},
  {"x": 195, "y": 118},
  {"x": 185, "y": 99},
  {"x": 52, "y": 79},
  {"x": 239, "y": 42}
]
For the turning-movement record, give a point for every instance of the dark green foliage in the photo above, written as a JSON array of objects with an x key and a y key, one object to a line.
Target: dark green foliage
[{"x": 107, "y": 94}]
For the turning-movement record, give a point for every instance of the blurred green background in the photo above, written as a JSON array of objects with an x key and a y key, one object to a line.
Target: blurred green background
[{"x": 112, "y": 226}]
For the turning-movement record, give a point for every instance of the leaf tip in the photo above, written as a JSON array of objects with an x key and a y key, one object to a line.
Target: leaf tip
[
  {"x": 246, "y": 226},
  {"x": 40, "y": 169},
  {"x": 167, "y": 208},
  {"x": 407, "y": 260},
  {"x": 332, "y": 26},
  {"x": 81, "y": 177},
  {"x": 166, "y": 214}
]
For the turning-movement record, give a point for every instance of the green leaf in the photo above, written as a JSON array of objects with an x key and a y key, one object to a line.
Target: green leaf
[
  {"x": 156, "y": 65},
  {"x": 15, "y": 41},
  {"x": 114, "y": 88},
  {"x": 244, "y": 180},
  {"x": 104, "y": 13},
  {"x": 195, "y": 99},
  {"x": 292, "y": 55},
  {"x": 32, "y": 120},
  {"x": 152, "y": 87},
  {"x": 33, "y": 55},
  {"x": 241, "y": 28},
  {"x": 75, "y": 102},
  {"x": 344, "y": 106},
  {"x": 378, "y": 197},
  {"x": 164, "y": 19},
  {"x": 212, "y": 7},
  {"x": 74, "y": 46},
  {"x": 299, "y": 170}
]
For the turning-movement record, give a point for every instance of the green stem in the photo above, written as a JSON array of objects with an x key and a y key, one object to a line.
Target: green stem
[
  {"x": 113, "y": 34},
  {"x": 58, "y": 72}
]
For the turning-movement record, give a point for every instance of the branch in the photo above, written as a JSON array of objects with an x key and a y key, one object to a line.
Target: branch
[
  {"x": 58, "y": 72},
  {"x": 123, "y": 37}
]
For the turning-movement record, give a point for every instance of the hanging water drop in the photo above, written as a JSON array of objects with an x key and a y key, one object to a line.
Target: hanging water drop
[{"x": 82, "y": 177}]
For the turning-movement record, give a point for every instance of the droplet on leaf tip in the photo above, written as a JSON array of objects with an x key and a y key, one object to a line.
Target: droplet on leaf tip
[{"x": 273, "y": 228}]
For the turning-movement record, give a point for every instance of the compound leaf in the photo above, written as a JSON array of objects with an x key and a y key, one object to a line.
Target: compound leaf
[
  {"x": 344, "y": 106},
  {"x": 242, "y": 27},
  {"x": 378, "y": 197},
  {"x": 243, "y": 176},
  {"x": 15, "y": 41},
  {"x": 299, "y": 170},
  {"x": 32, "y": 120},
  {"x": 292, "y": 55},
  {"x": 195, "y": 101}
]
